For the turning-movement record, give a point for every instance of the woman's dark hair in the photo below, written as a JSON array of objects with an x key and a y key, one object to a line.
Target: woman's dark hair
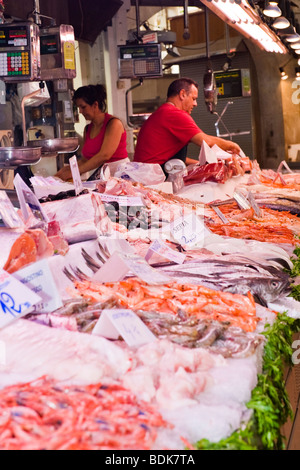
[
  {"x": 92, "y": 93},
  {"x": 180, "y": 84}
]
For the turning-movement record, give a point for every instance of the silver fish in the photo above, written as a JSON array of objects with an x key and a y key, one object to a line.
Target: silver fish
[{"x": 266, "y": 284}]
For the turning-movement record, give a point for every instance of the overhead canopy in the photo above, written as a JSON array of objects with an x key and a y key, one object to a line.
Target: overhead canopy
[{"x": 88, "y": 17}]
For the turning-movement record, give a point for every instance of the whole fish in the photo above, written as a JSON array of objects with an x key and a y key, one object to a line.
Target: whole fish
[{"x": 265, "y": 283}]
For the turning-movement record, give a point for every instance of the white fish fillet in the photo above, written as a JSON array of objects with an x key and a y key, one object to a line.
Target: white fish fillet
[{"x": 33, "y": 350}]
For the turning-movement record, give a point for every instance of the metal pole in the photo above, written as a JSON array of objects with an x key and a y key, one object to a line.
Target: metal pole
[
  {"x": 141, "y": 80},
  {"x": 207, "y": 32},
  {"x": 186, "y": 33},
  {"x": 137, "y": 16},
  {"x": 37, "y": 12}
]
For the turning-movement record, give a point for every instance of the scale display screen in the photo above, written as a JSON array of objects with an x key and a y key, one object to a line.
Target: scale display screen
[
  {"x": 233, "y": 83},
  {"x": 19, "y": 52},
  {"x": 13, "y": 37},
  {"x": 140, "y": 60},
  {"x": 50, "y": 44},
  {"x": 57, "y": 52}
]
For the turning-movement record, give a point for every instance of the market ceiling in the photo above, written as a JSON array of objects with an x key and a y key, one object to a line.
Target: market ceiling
[{"x": 90, "y": 17}]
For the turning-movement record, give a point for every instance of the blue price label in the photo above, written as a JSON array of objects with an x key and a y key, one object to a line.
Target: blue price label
[{"x": 9, "y": 305}]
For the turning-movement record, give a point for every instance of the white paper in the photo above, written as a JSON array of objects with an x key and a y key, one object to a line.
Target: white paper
[
  {"x": 76, "y": 175},
  {"x": 164, "y": 250},
  {"x": 207, "y": 154},
  {"x": 119, "y": 264},
  {"x": 117, "y": 244},
  {"x": 27, "y": 197},
  {"x": 189, "y": 230},
  {"x": 16, "y": 300},
  {"x": 122, "y": 200},
  {"x": 220, "y": 153},
  {"x": 38, "y": 278},
  {"x": 8, "y": 213},
  {"x": 121, "y": 322}
]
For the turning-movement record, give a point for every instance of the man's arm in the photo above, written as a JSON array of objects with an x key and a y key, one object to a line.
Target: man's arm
[{"x": 211, "y": 140}]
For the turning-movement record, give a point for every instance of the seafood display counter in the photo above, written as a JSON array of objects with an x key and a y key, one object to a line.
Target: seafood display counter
[{"x": 159, "y": 323}]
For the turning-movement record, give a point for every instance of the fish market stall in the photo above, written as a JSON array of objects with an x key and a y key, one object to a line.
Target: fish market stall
[{"x": 179, "y": 328}]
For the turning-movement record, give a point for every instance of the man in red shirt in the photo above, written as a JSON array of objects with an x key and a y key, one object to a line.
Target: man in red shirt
[{"x": 168, "y": 131}]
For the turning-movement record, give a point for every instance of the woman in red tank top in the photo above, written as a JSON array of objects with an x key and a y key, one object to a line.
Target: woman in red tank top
[{"x": 104, "y": 137}]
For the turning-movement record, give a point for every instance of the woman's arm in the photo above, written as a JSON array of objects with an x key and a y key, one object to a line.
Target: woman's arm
[
  {"x": 112, "y": 137},
  {"x": 211, "y": 140}
]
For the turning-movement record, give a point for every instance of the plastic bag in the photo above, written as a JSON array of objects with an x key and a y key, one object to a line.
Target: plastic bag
[{"x": 145, "y": 173}]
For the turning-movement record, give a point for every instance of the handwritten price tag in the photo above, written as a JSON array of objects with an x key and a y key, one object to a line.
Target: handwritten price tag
[
  {"x": 16, "y": 300},
  {"x": 189, "y": 230},
  {"x": 115, "y": 323},
  {"x": 38, "y": 278}
]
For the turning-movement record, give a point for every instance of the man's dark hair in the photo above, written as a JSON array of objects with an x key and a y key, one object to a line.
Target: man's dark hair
[{"x": 180, "y": 84}]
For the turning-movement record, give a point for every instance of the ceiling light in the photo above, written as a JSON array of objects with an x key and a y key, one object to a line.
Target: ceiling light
[
  {"x": 297, "y": 70},
  {"x": 281, "y": 23},
  {"x": 246, "y": 20},
  {"x": 297, "y": 51},
  {"x": 295, "y": 45},
  {"x": 283, "y": 74},
  {"x": 272, "y": 10},
  {"x": 298, "y": 61},
  {"x": 292, "y": 37}
]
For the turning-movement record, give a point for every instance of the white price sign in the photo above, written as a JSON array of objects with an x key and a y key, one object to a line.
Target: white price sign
[
  {"x": 28, "y": 198},
  {"x": 38, "y": 278},
  {"x": 164, "y": 250},
  {"x": 115, "y": 323},
  {"x": 76, "y": 175},
  {"x": 119, "y": 264},
  {"x": 16, "y": 300},
  {"x": 189, "y": 230}
]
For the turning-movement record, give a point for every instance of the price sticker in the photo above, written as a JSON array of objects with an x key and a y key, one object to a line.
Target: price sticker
[
  {"x": 189, "y": 230},
  {"x": 115, "y": 323},
  {"x": 16, "y": 300}
]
